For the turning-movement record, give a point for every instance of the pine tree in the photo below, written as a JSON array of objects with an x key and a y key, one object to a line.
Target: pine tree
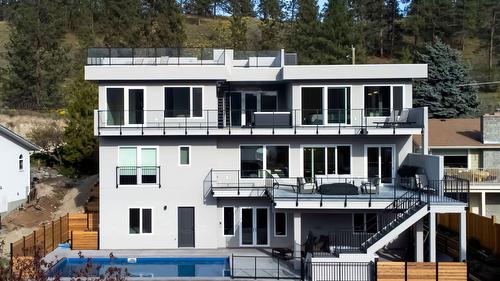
[
  {"x": 120, "y": 23},
  {"x": 305, "y": 31},
  {"x": 163, "y": 24},
  {"x": 337, "y": 33},
  {"x": 270, "y": 12},
  {"x": 80, "y": 149},
  {"x": 36, "y": 61},
  {"x": 446, "y": 92},
  {"x": 199, "y": 7},
  {"x": 238, "y": 25}
]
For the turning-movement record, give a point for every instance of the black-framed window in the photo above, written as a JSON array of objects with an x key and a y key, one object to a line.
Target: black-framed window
[
  {"x": 377, "y": 100},
  {"x": 252, "y": 163},
  {"x": 184, "y": 155},
  {"x": 228, "y": 221},
  {"x": 365, "y": 222},
  {"x": 280, "y": 224},
  {"x": 140, "y": 220},
  {"x": 183, "y": 102},
  {"x": 21, "y": 162},
  {"x": 337, "y": 160},
  {"x": 312, "y": 105},
  {"x": 456, "y": 161}
]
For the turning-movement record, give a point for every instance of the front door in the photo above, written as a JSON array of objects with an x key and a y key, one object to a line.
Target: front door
[
  {"x": 380, "y": 163},
  {"x": 185, "y": 227},
  {"x": 254, "y": 230}
]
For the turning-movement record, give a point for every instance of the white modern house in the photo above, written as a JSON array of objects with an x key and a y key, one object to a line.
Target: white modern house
[
  {"x": 15, "y": 177},
  {"x": 215, "y": 148},
  {"x": 471, "y": 150}
]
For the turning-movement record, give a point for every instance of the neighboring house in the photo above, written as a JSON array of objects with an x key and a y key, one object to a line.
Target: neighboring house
[
  {"x": 223, "y": 149},
  {"x": 15, "y": 178},
  {"x": 471, "y": 150}
]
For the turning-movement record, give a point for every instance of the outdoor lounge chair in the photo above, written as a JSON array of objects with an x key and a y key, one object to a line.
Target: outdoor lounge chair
[
  {"x": 306, "y": 187},
  {"x": 370, "y": 186},
  {"x": 392, "y": 119}
]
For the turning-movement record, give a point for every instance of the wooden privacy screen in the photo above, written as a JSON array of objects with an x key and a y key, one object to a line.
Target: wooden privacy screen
[
  {"x": 50, "y": 235},
  {"x": 483, "y": 229},
  {"x": 84, "y": 240},
  {"x": 422, "y": 271}
]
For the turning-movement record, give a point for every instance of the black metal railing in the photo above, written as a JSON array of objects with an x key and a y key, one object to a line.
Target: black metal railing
[
  {"x": 340, "y": 271},
  {"x": 138, "y": 175},
  {"x": 267, "y": 267},
  {"x": 328, "y": 120},
  {"x": 155, "y": 56}
]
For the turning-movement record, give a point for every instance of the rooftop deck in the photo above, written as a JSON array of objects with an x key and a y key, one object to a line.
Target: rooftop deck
[{"x": 227, "y": 64}]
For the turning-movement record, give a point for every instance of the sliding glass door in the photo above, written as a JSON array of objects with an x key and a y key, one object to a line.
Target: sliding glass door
[
  {"x": 380, "y": 163},
  {"x": 326, "y": 105},
  {"x": 254, "y": 226},
  {"x": 328, "y": 160},
  {"x": 258, "y": 102}
]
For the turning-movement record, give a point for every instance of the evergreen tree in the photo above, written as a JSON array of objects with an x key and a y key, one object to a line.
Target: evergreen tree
[
  {"x": 337, "y": 33},
  {"x": 305, "y": 31},
  {"x": 446, "y": 91},
  {"x": 80, "y": 149},
  {"x": 163, "y": 24},
  {"x": 372, "y": 16},
  {"x": 120, "y": 23},
  {"x": 270, "y": 12},
  {"x": 238, "y": 25},
  {"x": 199, "y": 7},
  {"x": 36, "y": 61}
]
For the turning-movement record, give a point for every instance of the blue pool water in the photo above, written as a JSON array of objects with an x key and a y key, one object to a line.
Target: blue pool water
[{"x": 143, "y": 267}]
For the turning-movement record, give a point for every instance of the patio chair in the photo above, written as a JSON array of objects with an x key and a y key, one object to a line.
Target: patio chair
[
  {"x": 306, "y": 187},
  {"x": 403, "y": 118},
  {"x": 423, "y": 183},
  {"x": 391, "y": 120},
  {"x": 371, "y": 186}
]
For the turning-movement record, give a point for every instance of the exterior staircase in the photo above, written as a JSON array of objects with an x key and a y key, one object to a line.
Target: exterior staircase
[{"x": 401, "y": 214}]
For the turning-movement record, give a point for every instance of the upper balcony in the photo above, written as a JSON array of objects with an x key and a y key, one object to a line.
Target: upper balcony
[
  {"x": 481, "y": 179},
  {"x": 251, "y": 122},
  {"x": 119, "y": 64}
]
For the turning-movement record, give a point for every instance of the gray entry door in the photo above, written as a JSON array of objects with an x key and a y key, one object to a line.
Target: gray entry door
[{"x": 185, "y": 227}]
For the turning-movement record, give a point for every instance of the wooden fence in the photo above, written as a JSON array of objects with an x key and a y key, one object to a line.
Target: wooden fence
[
  {"x": 84, "y": 240},
  {"x": 483, "y": 229},
  {"x": 422, "y": 271},
  {"x": 50, "y": 235}
]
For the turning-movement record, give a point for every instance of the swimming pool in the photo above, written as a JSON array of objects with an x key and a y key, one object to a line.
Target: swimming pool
[{"x": 143, "y": 267}]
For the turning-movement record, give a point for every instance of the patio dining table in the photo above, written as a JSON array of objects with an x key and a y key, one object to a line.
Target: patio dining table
[{"x": 338, "y": 189}]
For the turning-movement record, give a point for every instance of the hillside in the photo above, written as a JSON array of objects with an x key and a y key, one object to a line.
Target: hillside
[{"x": 215, "y": 32}]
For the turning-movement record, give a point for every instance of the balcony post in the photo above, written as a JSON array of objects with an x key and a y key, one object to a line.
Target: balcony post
[
  {"x": 297, "y": 239},
  {"x": 419, "y": 241},
  {"x": 463, "y": 237},
  {"x": 432, "y": 237},
  {"x": 483, "y": 204},
  {"x": 425, "y": 131}
]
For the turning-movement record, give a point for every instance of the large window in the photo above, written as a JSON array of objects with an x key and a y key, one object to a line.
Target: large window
[
  {"x": 257, "y": 159},
  {"x": 455, "y": 161},
  {"x": 183, "y": 102},
  {"x": 137, "y": 165},
  {"x": 140, "y": 220},
  {"x": 381, "y": 100},
  {"x": 279, "y": 224},
  {"x": 312, "y": 106},
  {"x": 329, "y": 160},
  {"x": 365, "y": 222},
  {"x": 336, "y": 109},
  {"x": 228, "y": 218}
]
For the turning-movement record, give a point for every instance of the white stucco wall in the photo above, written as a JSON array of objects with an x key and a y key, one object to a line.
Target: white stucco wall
[
  {"x": 183, "y": 185},
  {"x": 14, "y": 183}
]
